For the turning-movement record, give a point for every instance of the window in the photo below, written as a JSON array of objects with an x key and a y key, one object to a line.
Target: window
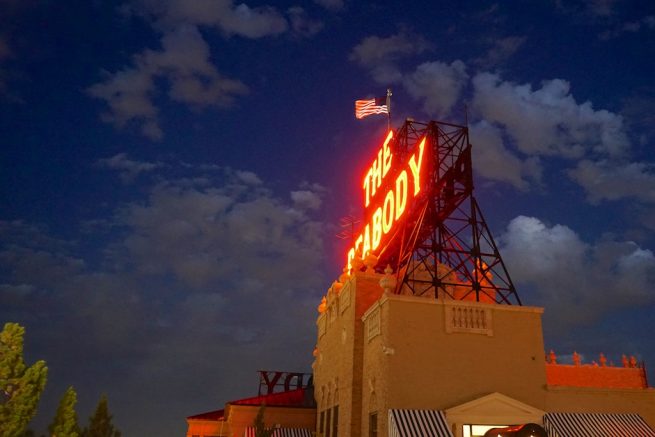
[
  {"x": 373, "y": 425},
  {"x": 328, "y": 422},
  {"x": 335, "y": 421},
  {"x": 373, "y": 324},
  {"x": 321, "y": 423}
]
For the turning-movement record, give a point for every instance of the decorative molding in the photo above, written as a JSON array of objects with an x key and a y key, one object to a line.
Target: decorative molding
[
  {"x": 344, "y": 297},
  {"x": 471, "y": 319},
  {"x": 373, "y": 323}
]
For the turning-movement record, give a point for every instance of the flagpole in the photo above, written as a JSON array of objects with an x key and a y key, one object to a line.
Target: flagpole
[{"x": 389, "y": 108}]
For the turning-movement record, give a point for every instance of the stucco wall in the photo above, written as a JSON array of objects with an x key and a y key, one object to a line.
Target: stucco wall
[
  {"x": 339, "y": 359},
  {"x": 379, "y": 352},
  {"x": 415, "y": 363}
]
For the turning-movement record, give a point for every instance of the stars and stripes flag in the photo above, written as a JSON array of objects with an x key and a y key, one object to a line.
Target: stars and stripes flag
[{"x": 364, "y": 108}]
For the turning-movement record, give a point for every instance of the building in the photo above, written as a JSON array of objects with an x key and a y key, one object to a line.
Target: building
[
  {"x": 285, "y": 399},
  {"x": 424, "y": 333},
  {"x": 383, "y": 358}
]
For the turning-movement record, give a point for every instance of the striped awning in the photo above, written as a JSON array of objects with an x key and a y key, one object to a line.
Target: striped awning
[
  {"x": 282, "y": 432},
  {"x": 292, "y": 432},
  {"x": 596, "y": 425},
  {"x": 418, "y": 423}
]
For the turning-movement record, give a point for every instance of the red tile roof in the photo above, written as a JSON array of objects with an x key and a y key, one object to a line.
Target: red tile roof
[{"x": 291, "y": 398}]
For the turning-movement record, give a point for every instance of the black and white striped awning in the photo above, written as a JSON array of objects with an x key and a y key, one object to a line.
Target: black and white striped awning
[
  {"x": 418, "y": 423},
  {"x": 292, "y": 432},
  {"x": 596, "y": 425},
  {"x": 282, "y": 432}
]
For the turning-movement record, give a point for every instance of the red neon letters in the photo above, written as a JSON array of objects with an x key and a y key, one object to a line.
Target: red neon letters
[{"x": 386, "y": 207}]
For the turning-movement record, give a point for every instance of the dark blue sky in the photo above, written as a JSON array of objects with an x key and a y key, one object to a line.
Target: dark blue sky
[{"x": 172, "y": 174}]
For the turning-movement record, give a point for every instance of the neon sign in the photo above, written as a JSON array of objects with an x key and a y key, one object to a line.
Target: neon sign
[{"x": 390, "y": 186}]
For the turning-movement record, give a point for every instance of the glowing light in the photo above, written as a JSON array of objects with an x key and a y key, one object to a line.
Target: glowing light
[
  {"x": 401, "y": 193},
  {"x": 385, "y": 202},
  {"x": 378, "y": 170},
  {"x": 387, "y": 212},
  {"x": 416, "y": 167},
  {"x": 377, "y": 229}
]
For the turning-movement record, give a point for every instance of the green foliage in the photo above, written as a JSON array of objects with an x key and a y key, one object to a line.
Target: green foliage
[
  {"x": 100, "y": 423},
  {"x": 65, "y": 422},
  {"x": 260, "y": 427},
  {"x": 20, "y": 386}
]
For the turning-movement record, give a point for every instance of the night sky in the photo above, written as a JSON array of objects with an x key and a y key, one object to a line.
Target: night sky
[{"x": 172, "y": 174}]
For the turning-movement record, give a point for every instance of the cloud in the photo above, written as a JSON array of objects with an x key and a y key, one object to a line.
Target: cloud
[
  {"x": 197, "y": 236},
  {"x": 224, "y": 15},
  {"x": 606, "y": 180},
  {"x": 227, "y": 264},
  {"x": 306, "y": 199},
  {"x": 493, "y": 161},
  {"x": 184, "y": 63},
  {"x": 248, "y": 177},
  {"x": 588, "y": 9},
  {"x": 380, "y": 54},
  {"x": 128, "y": 169},
  {"x": 603, "y": 8},
  {"x": 639, "y": 112},
  {"x": 501, "y": 50},
  {"x": 578, "y": 282},
  {"x": 332, "y": 5},
  {"x": 647, "y": 22},
  {"x": 517, "y": 125},
  {"x": 437, "y": 84},
  {"x": 548, "y": 120},
  {"x": 301, "y": 24}
]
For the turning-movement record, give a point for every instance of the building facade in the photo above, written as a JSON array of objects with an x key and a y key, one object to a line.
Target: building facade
[{"x": 477, "y": 364}]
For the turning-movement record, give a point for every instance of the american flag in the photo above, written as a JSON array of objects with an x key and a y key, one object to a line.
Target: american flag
[{"x": 364, "y": 108}]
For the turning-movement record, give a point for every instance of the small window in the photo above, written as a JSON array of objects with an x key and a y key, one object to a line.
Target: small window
[
  {"x": 328, "y": 422},
  {"x": 373, "y": 425},
  {"x": 335, "y": 421},
  {"x": 321, "y": 423}
]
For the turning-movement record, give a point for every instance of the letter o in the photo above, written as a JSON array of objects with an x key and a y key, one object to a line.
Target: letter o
[{"x": 387, "y": 212}]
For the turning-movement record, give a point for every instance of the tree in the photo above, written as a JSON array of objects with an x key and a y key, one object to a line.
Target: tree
[
  {"x": 65, "y": 423},
  {"x": 260, "y": 427},
  {"x": 100, "y": 423},
  {"x": 20, "y": 386}
]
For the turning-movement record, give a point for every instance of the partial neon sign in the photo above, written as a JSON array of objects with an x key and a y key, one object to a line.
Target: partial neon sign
[{"x": 390, "y": 187}]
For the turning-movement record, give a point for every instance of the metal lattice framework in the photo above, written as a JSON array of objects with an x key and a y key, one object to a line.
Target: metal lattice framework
[{"x": 443, "y": 246}]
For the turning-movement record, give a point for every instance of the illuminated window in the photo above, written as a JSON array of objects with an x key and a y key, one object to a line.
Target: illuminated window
[
  {"x": 335, "y": 421},
  {"x": 373, "y": 425},
  {"x": 478, "y": 430}
]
